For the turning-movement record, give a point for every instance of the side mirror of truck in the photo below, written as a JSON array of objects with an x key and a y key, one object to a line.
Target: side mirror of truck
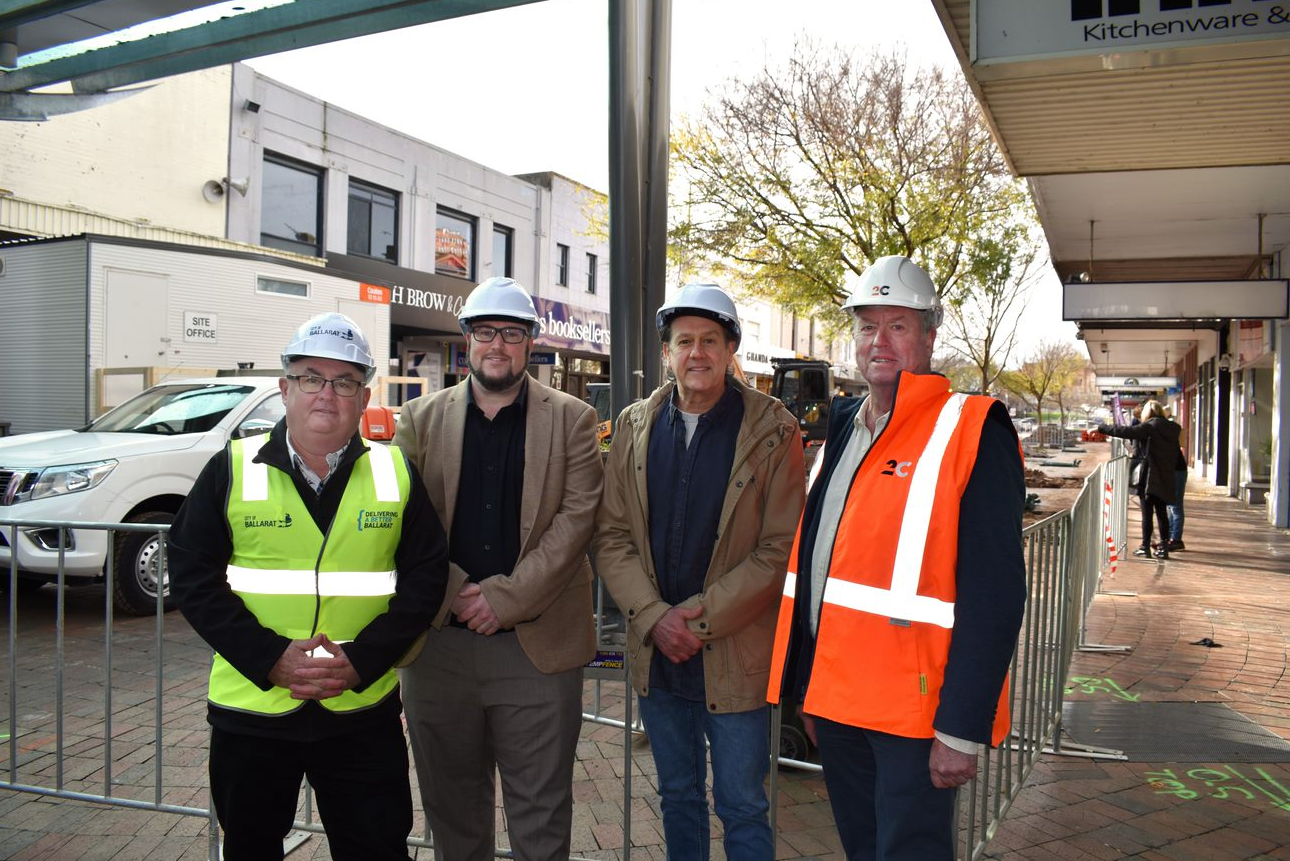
[{"x": 251, "y": 427}]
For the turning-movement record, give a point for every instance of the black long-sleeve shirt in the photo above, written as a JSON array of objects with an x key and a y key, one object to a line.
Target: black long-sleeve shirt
[
  {"x": 486, "y": 518},
  {"x": 201, "y": 545}
]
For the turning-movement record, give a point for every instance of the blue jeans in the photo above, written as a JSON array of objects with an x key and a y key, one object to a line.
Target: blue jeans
[
  {"x": 740, "y": 761},
  {"x": 1176, "y": 510}
]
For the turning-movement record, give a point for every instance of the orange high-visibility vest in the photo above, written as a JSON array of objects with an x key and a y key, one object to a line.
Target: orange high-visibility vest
[{"x": 888, "y": 607}]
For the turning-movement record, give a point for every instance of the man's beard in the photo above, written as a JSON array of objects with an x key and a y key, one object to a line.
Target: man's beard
[{"x": 498, "y": 384}]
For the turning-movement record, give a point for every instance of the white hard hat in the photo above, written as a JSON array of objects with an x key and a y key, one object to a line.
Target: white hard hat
[
  {"x": 702, "y": 300},
  {"x": 331, "y": 336},
  {"x": 498, "y": 297},
  {"x": 895, "y": 280}
]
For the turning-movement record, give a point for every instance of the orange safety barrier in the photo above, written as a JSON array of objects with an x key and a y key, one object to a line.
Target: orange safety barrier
[{"x": 378, "y": 423}]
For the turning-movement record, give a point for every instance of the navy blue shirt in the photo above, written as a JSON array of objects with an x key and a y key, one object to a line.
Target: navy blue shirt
[{"x": 687, "y": 488}]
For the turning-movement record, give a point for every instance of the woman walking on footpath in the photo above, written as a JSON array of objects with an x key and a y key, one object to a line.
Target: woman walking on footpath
[{"x": 1157, "y": 439}]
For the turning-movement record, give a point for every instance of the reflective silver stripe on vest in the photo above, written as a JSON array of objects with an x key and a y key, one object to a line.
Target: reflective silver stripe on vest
[
  {"x": 790, "y": 585},
  {"x": 387, "y": 483},
  {"x": 287, "y": 581},
  {"x": 255, "y": 476},
  {"x": 902, "y": 602}
]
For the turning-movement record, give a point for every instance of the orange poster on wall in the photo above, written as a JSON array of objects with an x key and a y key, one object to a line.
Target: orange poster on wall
[{"x": 374, "y": 293}]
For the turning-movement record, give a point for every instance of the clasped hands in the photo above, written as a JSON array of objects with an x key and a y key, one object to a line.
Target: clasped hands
[
  {"x": 472, "y": 608},
  {"x": 314, "y": 678},
  {"x": 673, "y": 637}
]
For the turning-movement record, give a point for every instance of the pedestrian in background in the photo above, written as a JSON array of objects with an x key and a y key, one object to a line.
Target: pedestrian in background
[
  {"x": 703, "y": 491},
  {"x": 1176, "y": 515},
  {"x": 906, "y": 587},
  {"x": 1157, "y": 440},
  {"x": 514, "y": 470},
  {"x": 310, "y": 560}
]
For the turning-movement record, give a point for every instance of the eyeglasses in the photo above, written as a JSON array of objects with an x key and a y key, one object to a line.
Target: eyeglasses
[
  {"x": 312, "y": 385},
  {"x": 510, "y": 334}
]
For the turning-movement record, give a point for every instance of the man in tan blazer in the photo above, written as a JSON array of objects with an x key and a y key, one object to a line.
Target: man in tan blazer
[{"x": 514, "y": 471}]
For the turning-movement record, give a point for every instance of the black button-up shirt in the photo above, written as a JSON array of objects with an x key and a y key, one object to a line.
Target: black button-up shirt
[
  {"x": 485, "y": 536},
  {"x": 687, "y": 488}
]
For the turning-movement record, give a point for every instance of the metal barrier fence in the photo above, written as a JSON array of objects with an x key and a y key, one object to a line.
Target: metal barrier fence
[
  {"x": 1066, "y": 555},
  {"x": 120, "y": 727}
]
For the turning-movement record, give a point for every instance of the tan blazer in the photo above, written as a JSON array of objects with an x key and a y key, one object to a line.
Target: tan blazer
[{"x": 547, "y": 598}]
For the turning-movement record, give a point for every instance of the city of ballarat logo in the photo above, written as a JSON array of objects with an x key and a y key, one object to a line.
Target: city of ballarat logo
[
  {"x": 384, "y": 519},
  {"x": 252, "y": 522}
]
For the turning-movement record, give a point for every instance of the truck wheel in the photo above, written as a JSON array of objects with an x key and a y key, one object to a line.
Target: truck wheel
[{"x": 138, "y": 568}]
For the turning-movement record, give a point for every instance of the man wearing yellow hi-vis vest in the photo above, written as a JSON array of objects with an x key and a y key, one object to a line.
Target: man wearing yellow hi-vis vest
[
  {"x": 905, "y": 588},
  {"x": 310, "y": 560}
]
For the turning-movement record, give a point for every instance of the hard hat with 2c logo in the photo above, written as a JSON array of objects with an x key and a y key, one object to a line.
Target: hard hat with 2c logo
[{"x": 895, "y": 280}]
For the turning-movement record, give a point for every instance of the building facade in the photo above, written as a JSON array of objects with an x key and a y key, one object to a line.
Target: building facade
[{"x": 225, "y": 171}]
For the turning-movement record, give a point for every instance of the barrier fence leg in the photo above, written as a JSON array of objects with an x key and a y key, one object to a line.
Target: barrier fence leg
[{"x": 212, "y": 829}]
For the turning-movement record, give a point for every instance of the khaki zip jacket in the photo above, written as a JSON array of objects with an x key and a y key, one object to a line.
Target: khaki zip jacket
[{"x": 740, "y": 597}]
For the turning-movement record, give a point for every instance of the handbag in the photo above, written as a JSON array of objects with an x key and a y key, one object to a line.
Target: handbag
[{"x": 1135, "y": 475}]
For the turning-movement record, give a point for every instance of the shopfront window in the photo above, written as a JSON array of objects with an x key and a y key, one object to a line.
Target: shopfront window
[
  {"x": 291, "y": 206},
  {"x": 502, "y": 251},
  {"x": 562, "y": 265},
  {"x": 373, "y": 222},
  {"x": 454, "y": 244}
]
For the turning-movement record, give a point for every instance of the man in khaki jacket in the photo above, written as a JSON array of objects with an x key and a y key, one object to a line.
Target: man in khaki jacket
[
  {"x": 699, "y": 570},
  {"x": 514, "y": 471}
]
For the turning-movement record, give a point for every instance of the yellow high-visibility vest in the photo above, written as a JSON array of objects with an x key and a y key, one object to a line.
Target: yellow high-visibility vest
[{"x": 298, "y": 581}]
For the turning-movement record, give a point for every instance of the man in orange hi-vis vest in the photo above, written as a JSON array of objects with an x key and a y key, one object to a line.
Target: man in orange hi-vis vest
[{"x": 905, "y": 587}]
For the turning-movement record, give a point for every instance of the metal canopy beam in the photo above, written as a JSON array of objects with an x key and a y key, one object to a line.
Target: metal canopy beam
[
  {"x": 15, "y": 12},
  {"x": 254, "y": 34}
]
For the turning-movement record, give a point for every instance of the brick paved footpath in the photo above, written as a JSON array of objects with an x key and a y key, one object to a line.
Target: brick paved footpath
[{"x": 1231, "y": 585}]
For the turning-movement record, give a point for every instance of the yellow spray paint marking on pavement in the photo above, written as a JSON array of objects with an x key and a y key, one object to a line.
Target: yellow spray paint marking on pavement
[
  {"x": 1091, "y": 685},
  {"x": 1221, "y": 783}
]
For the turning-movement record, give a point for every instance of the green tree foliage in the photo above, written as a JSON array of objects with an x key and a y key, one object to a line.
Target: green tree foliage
[
  {"x": 796, "y": 179},
  {"x": 1048, "y": 373},
  {"x": 962, "y": 375}
]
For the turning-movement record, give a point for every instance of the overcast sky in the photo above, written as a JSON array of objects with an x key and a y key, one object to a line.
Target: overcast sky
[{"x": 525, "y": 90}]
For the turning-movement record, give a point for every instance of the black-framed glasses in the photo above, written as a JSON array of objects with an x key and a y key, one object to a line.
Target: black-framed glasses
[
  {"x": 312, "y": 384},
  {"x": 510, "y": 334}
]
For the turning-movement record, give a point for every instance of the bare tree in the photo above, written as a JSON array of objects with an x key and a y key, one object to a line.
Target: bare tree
[{"x": 982, "y": 319}]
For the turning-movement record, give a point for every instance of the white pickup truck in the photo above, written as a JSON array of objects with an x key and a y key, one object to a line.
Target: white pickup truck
[{"x": 134, "y": 464}]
